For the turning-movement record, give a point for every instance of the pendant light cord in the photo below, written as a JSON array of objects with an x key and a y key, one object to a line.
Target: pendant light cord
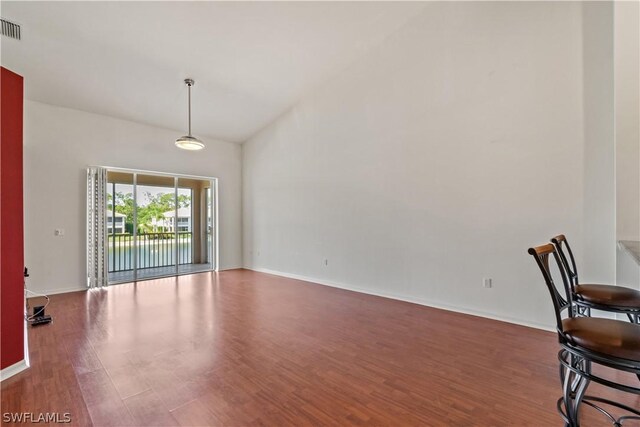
[
  {"x": 189, "y": 84},
  {"x": 189, "y": 142}
]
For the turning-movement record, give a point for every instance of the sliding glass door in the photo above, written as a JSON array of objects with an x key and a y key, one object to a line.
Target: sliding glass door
[
  {"x": 159, "y": 225},
  {"x": 155, "y": 239},
  {"x": 194, "y": 225},
  {"x": 120, "y": 226}
]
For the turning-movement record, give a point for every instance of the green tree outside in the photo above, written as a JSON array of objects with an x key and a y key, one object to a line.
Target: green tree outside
[{"x": 155, "y": 208}]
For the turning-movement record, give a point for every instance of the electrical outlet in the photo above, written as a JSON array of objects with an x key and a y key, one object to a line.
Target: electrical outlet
[
  {"x": 326, "y": 262},
  {"x": 487, "y": 283},
  {"x": 58, "y": 232}
]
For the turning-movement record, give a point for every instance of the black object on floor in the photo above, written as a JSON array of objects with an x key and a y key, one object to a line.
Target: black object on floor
[{"x": 39, "y": 318}]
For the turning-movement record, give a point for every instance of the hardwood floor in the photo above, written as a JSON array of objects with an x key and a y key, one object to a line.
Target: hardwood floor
[{"x": 244, "y": 348}]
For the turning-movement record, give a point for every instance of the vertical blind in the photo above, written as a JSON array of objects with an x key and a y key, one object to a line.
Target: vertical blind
[{"x": 97, "y": 268}]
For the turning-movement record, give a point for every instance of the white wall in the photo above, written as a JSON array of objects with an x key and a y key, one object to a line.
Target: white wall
[
  {"x": 432, "y": 162},
  {"x": 599, "y": 197},
  {"x": 627, "y": 126},
  {"x": 59, "y": 144}
]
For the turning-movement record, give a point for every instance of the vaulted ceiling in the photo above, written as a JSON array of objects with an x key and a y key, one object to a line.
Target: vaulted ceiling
[{"x": 251, "y": 60}]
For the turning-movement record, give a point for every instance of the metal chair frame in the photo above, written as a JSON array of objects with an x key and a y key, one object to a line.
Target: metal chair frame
[
  {"x": 583, "y": 308},
  {"x": 576, "y": 361}
]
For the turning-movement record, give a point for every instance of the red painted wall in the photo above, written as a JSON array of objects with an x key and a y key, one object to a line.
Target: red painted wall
[{"x": 11, "y": 220}]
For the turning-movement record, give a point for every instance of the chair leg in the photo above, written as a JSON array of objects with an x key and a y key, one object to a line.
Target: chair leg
[
  {"x": 566, "y": 396},
  {"x": 574, "y": 387},
  {"x": 576, "y": 363},
  {"x": 580, "y": 391}
]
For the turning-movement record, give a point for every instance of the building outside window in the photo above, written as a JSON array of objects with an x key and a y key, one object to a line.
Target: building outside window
[
  {"x": 121, "y": 219},
  {"x": 184, "y": 220}
]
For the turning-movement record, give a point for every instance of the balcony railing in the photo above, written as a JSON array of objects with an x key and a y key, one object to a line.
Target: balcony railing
[{"x": 152, "y": 250}]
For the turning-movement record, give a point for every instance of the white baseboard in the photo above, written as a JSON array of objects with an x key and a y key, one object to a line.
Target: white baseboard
[
  {"x": 14, "y": 369},
  {"x": 413, "y": 300}
]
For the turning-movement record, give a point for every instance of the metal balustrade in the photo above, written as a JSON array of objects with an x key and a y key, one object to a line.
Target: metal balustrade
[{"x": 152, "y": 249}]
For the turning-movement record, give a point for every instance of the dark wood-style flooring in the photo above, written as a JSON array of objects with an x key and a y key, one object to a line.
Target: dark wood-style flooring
[{"x": 243, "y": 348}]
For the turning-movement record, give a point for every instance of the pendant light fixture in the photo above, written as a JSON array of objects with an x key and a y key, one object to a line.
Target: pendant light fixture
[{"x": 189, "y": 142}]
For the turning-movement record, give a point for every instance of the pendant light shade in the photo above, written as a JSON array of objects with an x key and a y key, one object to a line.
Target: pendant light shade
[{"x": 189, "y": 142}]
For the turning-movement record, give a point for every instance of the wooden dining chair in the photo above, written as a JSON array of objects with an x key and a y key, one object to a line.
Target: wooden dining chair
[
  {"x": 588, "y": 341},
  {"x": 617, "y": 299}
]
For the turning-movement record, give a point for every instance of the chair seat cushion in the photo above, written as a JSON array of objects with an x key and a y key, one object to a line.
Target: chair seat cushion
[
  {"x": 605, "y": 336},
  {"x": 617, "y": 296}
]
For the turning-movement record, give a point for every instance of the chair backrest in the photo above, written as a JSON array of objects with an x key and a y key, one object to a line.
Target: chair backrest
[
  {"x": 560, "y": 241},
  {"x": 541, "y": 254}
]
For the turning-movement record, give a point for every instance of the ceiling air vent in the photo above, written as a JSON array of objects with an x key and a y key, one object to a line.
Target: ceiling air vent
[{"x": 10, "y": 29}]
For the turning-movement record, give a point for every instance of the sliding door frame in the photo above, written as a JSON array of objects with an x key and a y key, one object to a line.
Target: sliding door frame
[{"x": 213, "y": 211}]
